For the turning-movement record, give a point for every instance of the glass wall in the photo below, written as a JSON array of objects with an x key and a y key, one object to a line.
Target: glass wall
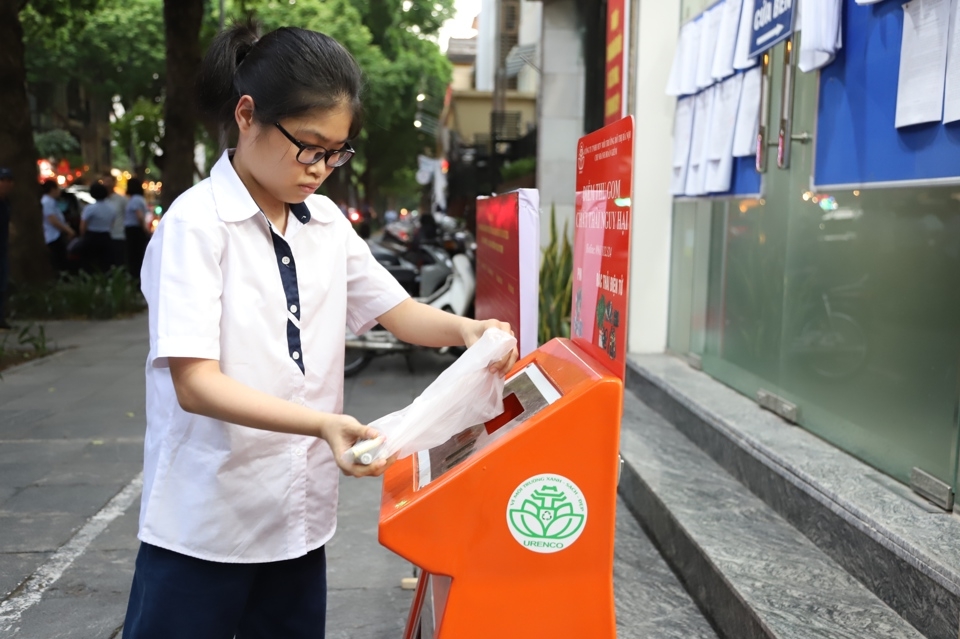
[{"x": 844, "y": 303}]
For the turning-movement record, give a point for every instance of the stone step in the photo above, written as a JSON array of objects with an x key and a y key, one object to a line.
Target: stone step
[
  {"x": 752, "y": 573},
  {"x": 901, "y": 547},
  {"x": 651, "y": 602}
]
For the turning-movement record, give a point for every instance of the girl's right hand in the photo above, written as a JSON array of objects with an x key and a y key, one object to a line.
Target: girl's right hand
[{"x": 341, "y": 432}]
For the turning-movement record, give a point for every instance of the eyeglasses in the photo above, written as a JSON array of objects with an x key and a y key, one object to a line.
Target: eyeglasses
[{"x": 311, "y": 154}]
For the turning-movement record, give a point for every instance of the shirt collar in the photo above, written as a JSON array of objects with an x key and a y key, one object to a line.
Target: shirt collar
[{"x": 234, "y": 203}]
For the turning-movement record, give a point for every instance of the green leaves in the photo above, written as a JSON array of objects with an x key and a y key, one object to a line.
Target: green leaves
[
  {"x": 138, "y": 132},
  {"x": 556, "y": 284},
  {"x": 113, "y": 47},
  {"x": 55, "y": 143},
  {"x": 84, "y": 295}
]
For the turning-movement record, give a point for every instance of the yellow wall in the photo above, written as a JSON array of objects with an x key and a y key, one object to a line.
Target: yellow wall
[
  {"x": 470, "y": 112},
  {"x": 462, "y": 77}
]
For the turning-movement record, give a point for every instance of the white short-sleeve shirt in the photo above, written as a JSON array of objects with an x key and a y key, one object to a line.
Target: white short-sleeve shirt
[{"x": 221, "y": 284}]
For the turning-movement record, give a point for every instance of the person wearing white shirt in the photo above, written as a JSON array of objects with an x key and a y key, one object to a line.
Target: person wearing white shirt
[
  {"x": 56, "y": 231},
  {"x": 117, "y": 235},
  {"x": 250, "y": 279}
]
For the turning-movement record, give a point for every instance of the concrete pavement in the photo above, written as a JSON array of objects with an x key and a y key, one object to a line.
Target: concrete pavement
[{"x": 71, "y": 438}]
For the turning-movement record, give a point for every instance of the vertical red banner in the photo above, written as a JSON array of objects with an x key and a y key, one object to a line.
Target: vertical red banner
[
  {"x": 508, "y": 262},
  {"x": 498, "y": 259},
  {"x": 601, "y": 253},
  {"x": 613, "y": 102}
]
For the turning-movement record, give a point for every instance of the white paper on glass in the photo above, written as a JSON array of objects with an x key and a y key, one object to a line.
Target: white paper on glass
[
  {"x": 748, "y": 116},
  {"x": 726, "y": 100},
  {"x": 675, "y": 80},
  {"x": 719, "y": 175},
  {"x": 697, "y": 173},
  {"x": 727, "y": 39},
  {"x": 741, "y": 57},
  {"x": 923, "y": 62},
  {"x": 682, "y": 136},
  {"x": 690, "y": 41},
  {"x": 820, "y": 22},
  {"x": 951, "y": 105},
  {"x": 709, "y": 32}
]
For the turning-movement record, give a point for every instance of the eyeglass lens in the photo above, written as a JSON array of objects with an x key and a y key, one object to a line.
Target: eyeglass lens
[{"x": 312, "y": 155}]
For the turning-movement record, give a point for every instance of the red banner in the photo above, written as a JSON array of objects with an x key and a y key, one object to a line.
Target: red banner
[
  {"x": 601, "y": 254},
  {"x": 613, "y": 102},
  {"x": 498, "y": 259}
]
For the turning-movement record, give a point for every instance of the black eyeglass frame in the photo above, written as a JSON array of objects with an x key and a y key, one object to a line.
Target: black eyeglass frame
[{"x": 345, "y": 152}]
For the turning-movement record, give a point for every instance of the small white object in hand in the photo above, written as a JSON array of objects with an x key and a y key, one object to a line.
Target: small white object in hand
[{"x": 364, "y": 452}]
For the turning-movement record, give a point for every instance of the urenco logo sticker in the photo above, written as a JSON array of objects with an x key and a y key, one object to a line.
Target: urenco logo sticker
[{"x": 546, "y": 513}]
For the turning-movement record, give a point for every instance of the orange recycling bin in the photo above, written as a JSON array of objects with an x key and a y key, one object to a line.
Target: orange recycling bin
[{"x": 512, "y": 522}]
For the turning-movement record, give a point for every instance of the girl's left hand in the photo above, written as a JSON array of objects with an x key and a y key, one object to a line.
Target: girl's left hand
[{"x": 475, "y": 329}]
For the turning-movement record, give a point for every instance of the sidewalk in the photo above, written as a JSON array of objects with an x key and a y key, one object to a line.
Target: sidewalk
[{"x": 71, "y": 437}]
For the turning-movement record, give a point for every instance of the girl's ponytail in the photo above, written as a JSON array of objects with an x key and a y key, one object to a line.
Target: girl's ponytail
[{"x": 217, "y": 93}]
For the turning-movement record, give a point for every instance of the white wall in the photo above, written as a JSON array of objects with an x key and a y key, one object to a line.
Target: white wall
[
  {"x": 531, "y": 18},
  {"x": 486, "y": 46},
  {"x": 658, "y": 25},
  {"x": 560, "y": 106}
]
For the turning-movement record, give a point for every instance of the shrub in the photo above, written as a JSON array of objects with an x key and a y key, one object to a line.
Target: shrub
[
  {"x": 81, "y": 296},
  {"x": 518, "y": 168},
  {"x": 556, "y": 284}
]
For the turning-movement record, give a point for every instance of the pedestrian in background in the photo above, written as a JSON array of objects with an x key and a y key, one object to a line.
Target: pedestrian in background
[
  {"x": 96, "y": 221},
  {"x": 118, "y": 238},
  {"x": 56, "y": 232},
  {"x": 250, "y": 279},
  {"x": 6, "y": 188},
  {"x": 135, "y": 226}
]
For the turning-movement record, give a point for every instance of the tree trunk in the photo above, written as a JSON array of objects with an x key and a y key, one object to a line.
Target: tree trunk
[
  {"x": 28, "y": 253},
  {"x": 182, "y": 19}
]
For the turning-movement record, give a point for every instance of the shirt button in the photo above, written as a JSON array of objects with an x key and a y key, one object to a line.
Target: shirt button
[
  {"x": 296, "y": 355},
  {"x": 285, "y": 260},
  {"x": 293, "y": 308},
  {"x": 298, "y": 452}
]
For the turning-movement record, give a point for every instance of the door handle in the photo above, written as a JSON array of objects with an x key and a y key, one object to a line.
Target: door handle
[
  {"x": 765, "y": 88},
  {"x": 786, "y": 136}
]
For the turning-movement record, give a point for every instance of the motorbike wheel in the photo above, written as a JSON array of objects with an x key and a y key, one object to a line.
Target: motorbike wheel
[{"x": 355, "y": 360}]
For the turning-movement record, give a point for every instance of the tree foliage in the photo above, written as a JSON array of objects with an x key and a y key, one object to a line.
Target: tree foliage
[
  {"x": 117, "y": 48},
  {"x": 55, "y": 143},
  {"x": 138, "y": 133},
  {"x": 112, "y": 47}
]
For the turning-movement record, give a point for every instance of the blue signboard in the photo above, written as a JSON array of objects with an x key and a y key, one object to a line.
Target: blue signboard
[{"x": 772, "y": 24}]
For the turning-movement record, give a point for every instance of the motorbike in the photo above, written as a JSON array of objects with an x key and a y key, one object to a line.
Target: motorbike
[{"x": 429, "y": 274}]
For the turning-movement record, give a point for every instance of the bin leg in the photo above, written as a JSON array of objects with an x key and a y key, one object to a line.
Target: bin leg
[{"x": 412, "y": 630}]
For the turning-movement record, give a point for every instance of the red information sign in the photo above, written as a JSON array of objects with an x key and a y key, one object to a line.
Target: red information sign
[
  {"x": 613, "y": 95},
  {"x": 601, "y": 255},
  {"x": 498, "y": 259}
]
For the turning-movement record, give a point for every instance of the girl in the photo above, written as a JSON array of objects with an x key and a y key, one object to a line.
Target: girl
[{"x": 250, "y": 279}]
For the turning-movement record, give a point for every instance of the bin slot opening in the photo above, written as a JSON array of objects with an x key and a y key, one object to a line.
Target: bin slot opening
[{"x": 512, "y": 408}]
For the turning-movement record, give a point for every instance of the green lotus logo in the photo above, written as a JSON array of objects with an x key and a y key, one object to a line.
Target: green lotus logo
[{"x": 546, "y": 513}]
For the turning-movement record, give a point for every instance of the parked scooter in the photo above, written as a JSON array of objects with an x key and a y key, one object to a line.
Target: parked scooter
[{"x": 430, "y": 275}]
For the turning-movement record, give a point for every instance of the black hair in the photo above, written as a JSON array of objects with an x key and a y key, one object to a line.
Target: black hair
[
  {"x": 134, "y": 186},
  {"x": 49, "y": 185},
  {"x": 98, "y": 191},
  {"x": 287, "y": 72}
]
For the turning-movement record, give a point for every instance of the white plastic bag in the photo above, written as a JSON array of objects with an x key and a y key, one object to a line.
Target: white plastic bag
[{"x": 464, "y": 395}]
